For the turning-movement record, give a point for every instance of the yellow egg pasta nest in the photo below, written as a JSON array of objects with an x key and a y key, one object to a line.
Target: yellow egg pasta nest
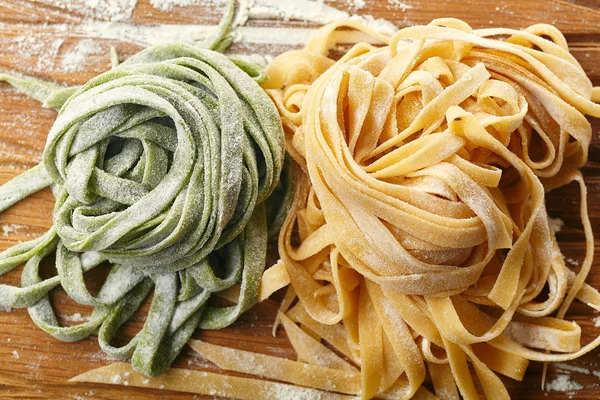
[{"x": 419, "y": 238}]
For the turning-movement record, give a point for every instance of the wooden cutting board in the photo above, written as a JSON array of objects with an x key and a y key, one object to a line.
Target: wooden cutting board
[{"x": 34, "y": 41}]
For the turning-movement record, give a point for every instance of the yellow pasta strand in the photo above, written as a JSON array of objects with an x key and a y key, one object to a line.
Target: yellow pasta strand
[
  {"x": 298, "y": 373},
  {"x": 418, "y": 238},
  {"x": 206, "y": 383},
  {"x": 276, "y": 278}
]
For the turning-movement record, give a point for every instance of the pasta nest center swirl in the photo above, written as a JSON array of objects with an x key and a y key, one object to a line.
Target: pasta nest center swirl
[{"x": 402, "y": 173}]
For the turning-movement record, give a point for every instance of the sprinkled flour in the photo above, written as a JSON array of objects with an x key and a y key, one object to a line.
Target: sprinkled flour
[
  {"x": 34, "y": 47},
  {"x": 108, "y": 10},
  {"x": 167, "y": 5},
  {"x": 74, "y": 60},
  {"x": 572, "y": 262},
  {"x": 574, "y": 368},
  {"x": 107, "y": 19},
  {"x": 557, "y": 224},
  {"x": 399, "y": 5},
  {"x": 8, "y": 229},
  {"x": 301, "y": 10},
  {"x": 357, "y": 4},
  {"x": 77, "y": 317},
  {"x": 313, "y": 11},
  {"x": 563, "y": 383}
]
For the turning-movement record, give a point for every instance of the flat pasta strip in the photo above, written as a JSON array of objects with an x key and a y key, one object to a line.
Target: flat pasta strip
[
  {"x": 281, "y": 369},
  {"x": 277, "y": 279},
  {"x": 206, "y": 383},
  {"x": 311, "y": 350}
]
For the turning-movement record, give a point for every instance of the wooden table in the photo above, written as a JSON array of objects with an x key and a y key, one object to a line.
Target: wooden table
[{"x": 34, "y": 365}]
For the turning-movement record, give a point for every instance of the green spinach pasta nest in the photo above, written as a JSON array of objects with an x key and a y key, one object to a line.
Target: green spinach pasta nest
[{"x": 166, "y": 167}]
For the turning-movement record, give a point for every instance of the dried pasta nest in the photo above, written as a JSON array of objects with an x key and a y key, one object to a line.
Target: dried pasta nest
[
  {"x": 418, "y": 238},
  {"x": 161, "y": 166}
]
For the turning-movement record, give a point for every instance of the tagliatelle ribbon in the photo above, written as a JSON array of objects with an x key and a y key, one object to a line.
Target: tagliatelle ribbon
[
  {"x": 201, "y": 382},
  {"x": 167, "y": 166},
  {"x": 326, "y": 380},
  {"x": 418, "y": 238}
]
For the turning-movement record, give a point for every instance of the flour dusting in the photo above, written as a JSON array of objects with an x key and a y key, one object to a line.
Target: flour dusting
[
  {"x": 108, "y": 19},
  {"x": 315, "y": 12},
  {"x": 108, "y": 10},
  {"x": 563, "y": 383},
  {"x": 167, "y": 5},
  {"x": 574, "y": 368},
  {"x": 75, "y": 59},
  {"x": 399, "y": 5},
  {"x": 357, "y": 4},
  {"x": 39, "y": 53},
  {"x": 8, "y": 229},
  {"x": 572, "y": 262},
  {"x": 557, "y": 224},
  {"x": 77, "y": 317}
]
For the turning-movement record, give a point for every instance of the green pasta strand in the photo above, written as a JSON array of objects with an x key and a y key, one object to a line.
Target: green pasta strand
[{"x": 163, "y": 167}]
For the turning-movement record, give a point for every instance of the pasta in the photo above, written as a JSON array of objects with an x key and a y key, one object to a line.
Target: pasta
[
  {"x": 166, "y": 166},
  {"x": 418, "y": 240},
  {"x": 322, "y": 381},
  {"x": 201, "y": 382}
]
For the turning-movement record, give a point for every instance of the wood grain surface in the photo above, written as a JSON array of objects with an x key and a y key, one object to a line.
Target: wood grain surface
[{"x": 35, "y": 365}]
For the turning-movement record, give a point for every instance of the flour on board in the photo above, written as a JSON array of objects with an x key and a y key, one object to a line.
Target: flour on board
[
  {"x": 557, "y": 224},
  {"x": 563, "y": 383},
  {"x": 312, "y": 11},
  {"x": 8, "y": 229},
  {"x": 108, "y": 19},
  {"x": 108, "y": 10},
  {"x": 167, "y": 5},
  {"x": 33, "y": 46},
  {"x": 357, "y": 4},
  {"x": 75, "y": 59},
  {"x": 397, "y": 4},
  {"x": 77, "y": 317},
  {"x": 577, "y": 369}
]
